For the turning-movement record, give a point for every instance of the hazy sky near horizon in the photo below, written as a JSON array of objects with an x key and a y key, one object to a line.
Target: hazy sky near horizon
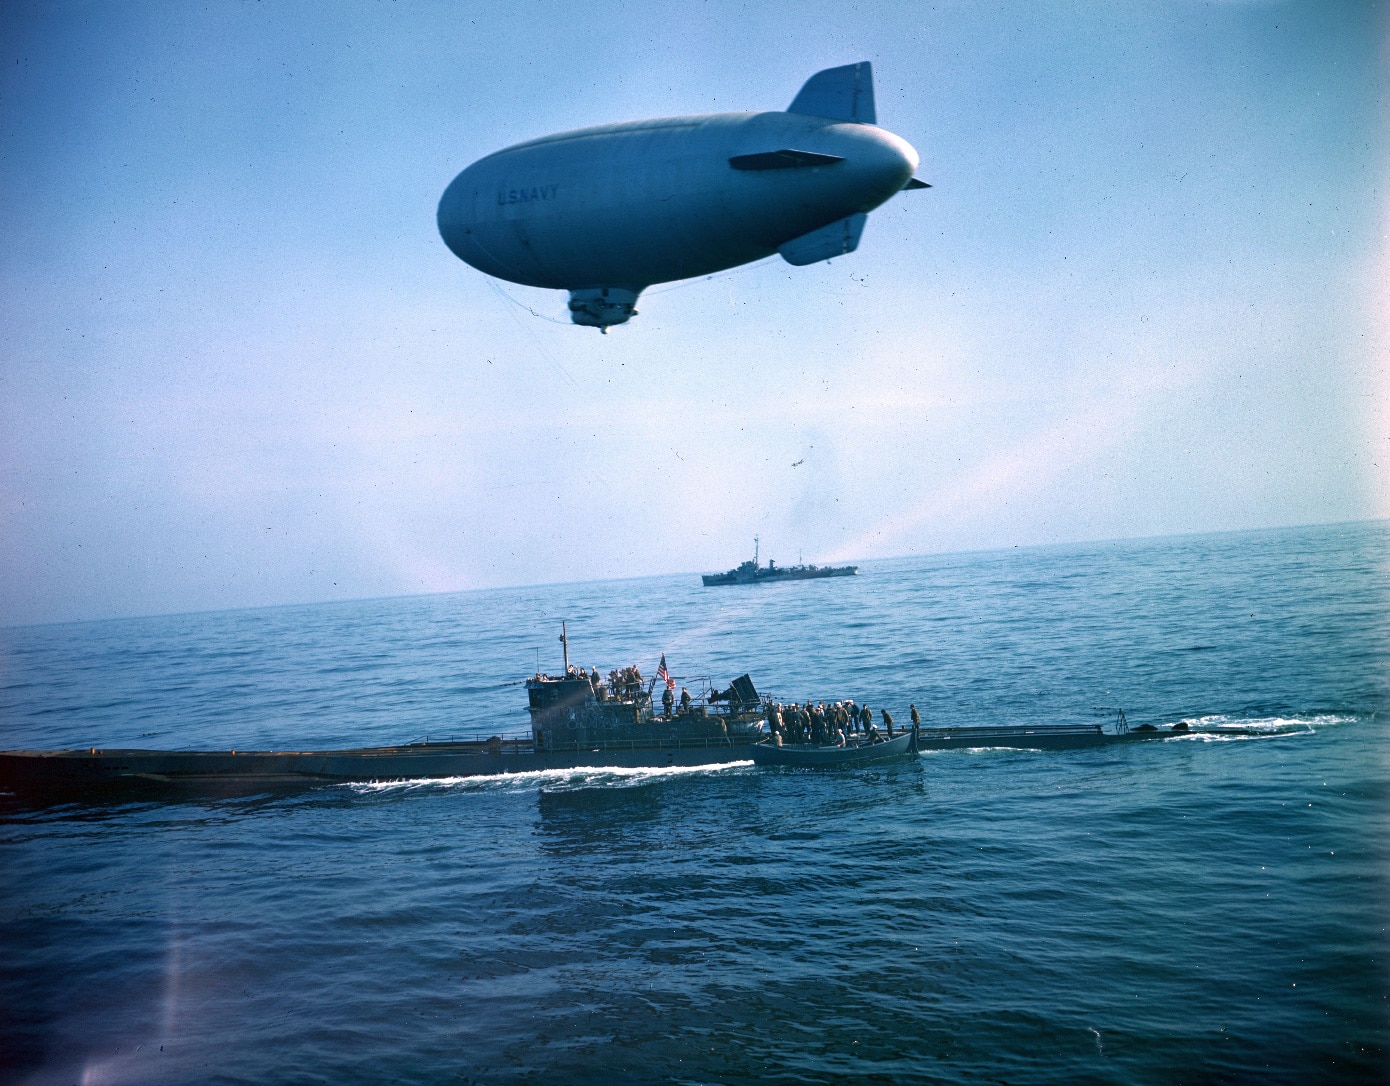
[{"x": 1147, "y": 294}]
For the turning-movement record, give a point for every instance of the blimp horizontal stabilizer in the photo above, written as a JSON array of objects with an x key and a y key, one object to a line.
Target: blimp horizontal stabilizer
[
  {"x": 844, "y": 94},
  {"x": 785, "y": 159},
  {"x": 828, "y": 242},
  {"x": 606, "y": 212}
]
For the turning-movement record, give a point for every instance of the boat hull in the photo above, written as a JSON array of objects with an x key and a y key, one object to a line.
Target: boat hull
[
  {"x": 1050, "y": 736},
  {"x": 68, "y": 775},
  {"x": 80, "y": 774},
  {"x": 763, "y": 576},
  {"x": 766, "y": 754},
  {"x": 1041, "y": 737}
]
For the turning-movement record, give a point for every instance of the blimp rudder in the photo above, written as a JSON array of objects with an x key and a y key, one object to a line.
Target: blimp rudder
[
  {"x": 845, "y": 93},
  {"x": 606, "y": 212}
]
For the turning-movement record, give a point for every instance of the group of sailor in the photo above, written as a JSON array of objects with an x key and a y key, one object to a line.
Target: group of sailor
[
  {"x": 836, "y": 724},
  {"x": 623, "y": 682}
]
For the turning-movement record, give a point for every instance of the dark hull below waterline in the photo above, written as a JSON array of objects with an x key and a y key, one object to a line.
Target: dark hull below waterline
[
  {"x": 77, "y": 775},
  {"x": 1045, "y": 736}
]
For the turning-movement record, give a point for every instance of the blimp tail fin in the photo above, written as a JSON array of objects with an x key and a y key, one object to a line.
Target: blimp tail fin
[
  {"x": 837, "y": 239},
  {"x": 844, "y": 94}
]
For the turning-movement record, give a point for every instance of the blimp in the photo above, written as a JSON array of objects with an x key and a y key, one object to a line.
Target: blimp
[{"x": 606, "y": 212}]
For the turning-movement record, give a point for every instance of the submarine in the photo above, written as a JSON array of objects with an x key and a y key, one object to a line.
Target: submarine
[
  {"x": 606, "y": 212},
  {"x": 577, "y": 721}
]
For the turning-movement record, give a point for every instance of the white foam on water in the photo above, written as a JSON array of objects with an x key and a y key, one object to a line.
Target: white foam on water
[
  {"x": 550, "y": 779},
  {"x": 1203, "y": 729},
  {"x": 933, "y": 752},
  {"x": 1274, "y": 727}
]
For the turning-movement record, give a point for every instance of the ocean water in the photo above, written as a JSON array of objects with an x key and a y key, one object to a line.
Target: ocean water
[{"x": 1199, "y": 909}]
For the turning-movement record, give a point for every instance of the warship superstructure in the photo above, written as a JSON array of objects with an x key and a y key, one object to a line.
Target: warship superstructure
[{"x": 752, "y": 572}]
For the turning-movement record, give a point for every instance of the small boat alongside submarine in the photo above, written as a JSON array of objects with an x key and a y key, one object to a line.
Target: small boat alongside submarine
[
  {"x": 860, "y": 750},
  {"x": 829, "y": 756}
]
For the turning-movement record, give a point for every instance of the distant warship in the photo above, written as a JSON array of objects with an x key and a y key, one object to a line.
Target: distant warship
[{"x": 753, "y": 573}]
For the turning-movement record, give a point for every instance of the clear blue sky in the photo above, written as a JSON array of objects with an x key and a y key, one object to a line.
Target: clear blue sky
[{"x": 238, "y": 367}]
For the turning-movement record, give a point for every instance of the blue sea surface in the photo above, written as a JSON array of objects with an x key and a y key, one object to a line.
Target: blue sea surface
[{"x": 1206, "y": 908}]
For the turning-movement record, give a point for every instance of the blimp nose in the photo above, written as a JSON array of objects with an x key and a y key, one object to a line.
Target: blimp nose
[
  {"x": 882, "y": 162},
  {"x": 451, "y": 217},
  {"x": 901, "y": 154}
]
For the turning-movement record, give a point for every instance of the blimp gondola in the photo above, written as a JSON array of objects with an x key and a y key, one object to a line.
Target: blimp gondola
[{"x": 606, "y": 212}]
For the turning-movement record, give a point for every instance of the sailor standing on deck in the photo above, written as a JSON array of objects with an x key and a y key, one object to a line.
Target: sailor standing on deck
[
  {"x": 685, "y": 700},
  {"x": 916, "y": 717},
  {"x": 887, "y": 721},
  {"x": 668, "y": 699}
]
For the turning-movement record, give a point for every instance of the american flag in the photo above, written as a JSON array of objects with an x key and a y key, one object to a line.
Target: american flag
[{"x": 664, "y": 675}]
